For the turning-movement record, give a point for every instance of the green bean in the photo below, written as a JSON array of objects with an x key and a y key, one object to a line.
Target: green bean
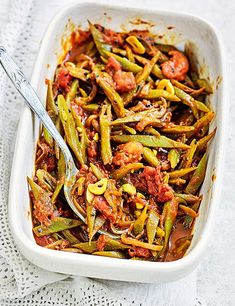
[
  {"x": 188, "y": 158},
  {"x": 189, "y": 198},
  {"x": 177, "y": 181},
  {"x": 181, "y": 172},
  {"x": 90, "y": 217},
  {"x": 174, "y": 157},
  {"x": 141, "y": 244},
  {"x": 86, "y": 247},
  {"x": 123, "y": 171},
  {"x": 198, "y": 177},
  {"x": 77, "y": 72},
  {"x": 182, "y": 247},
  {"x": 72, "y": 92},
  {"x": 127, "y": 97},
  {"x": 177, "y": 129},
  {"x": 204, "y": 83},
  {"x": 113, "y": 244},
  {"x": 169, "y": 214},
  {"x": 155, "y": 71},
  {"x": 91, "y": 107},
  {"x": 202, "y": 143},
  {"x": 152, "y": 131},
  {"x": 150, "y": 157},
  {"x": 193, "y": 92},
  {"x": 79, "y": 188},
  {"x": 114, "y": 254},
  {"x": 129, "y": 129},
  {"x": 152, "y": 224},
  {"x": 189, "y": 211},
  {"x": 55, "y": 245},
  {"x": 140, "y": 222},
  {"x": 104, "y": 59},
  {"x": 70, "y": 129},
  {"x": 203, "y": 121},
  {"x": 83, "y": 134},
  {"x": 202, "y": 106},
  {"x": 188, "y": 221},
  {"x": 50, "y": 102},
  {"x": 46, "y": 179},
  {"x": 99, "y": 40},
  {"x": 163, "y": 57},
  {"x": 72, "y": 250},
  {"x": 120, "y": 51},
  {"x": 115, "y": 99},
  {"x": 129, "y": 54},
  {"x": 137, "y": 117},
  {"x": 105, "y": 130},
  {"x": 70, "y": 237},
  {"x": 144, "y": 74},
  {"x": 52, "y": 111},
  {"x": 40, "y": 194},
  {"x": 88, "y": 98},
  {"x": 188, "y": 100},
  {"x": 48, "y": 138},
  {"x": 57, "y": 225},
  {"x": 99, "y": 222},
  {"x": 112, "y": 195},
  {"x": 135, "y": 44},
  {"x": 138, "y": 258},
  {"x": 126, "y": 64},
  {"x": 59, "y": 127},
  {"x": 150, "y": 141},
  {"x": 166, "y": 178},
  {"x": 61, "y": 170},
  {"x": 97, "y": 171},
  {"x": 158, "y": 93},
  {"x": 160, "y": 232}
]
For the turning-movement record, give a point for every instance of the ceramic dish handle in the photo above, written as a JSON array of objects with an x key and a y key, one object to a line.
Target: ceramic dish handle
[{"x": 32, "y": 100}]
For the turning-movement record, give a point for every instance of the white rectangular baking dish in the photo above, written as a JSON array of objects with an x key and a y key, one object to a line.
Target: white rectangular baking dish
[{"x": 177, "y": 28}]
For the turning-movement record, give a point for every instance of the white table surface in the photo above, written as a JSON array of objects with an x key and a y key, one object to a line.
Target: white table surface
[{"x": 216, "y": 275}]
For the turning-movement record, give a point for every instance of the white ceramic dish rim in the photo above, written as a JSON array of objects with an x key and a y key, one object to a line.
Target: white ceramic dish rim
[{"x": 23, "y": 240}]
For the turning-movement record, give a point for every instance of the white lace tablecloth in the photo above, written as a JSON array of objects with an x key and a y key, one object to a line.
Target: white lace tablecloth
[{"x": 21, "y": 283}]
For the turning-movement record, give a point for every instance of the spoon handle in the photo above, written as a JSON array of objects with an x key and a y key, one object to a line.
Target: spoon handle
[{"x": 25, "y": 89}]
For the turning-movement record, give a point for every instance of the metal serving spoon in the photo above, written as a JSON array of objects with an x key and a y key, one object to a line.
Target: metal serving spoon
[{"x": 33, "y": 102}]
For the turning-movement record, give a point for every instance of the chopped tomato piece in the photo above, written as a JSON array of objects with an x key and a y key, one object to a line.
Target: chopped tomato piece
[
  {"x": 42, "y": 241},
  {"x": 92, "y": 149},
  {"x": 129, "y": 152},
  {"x": 43, "y": 210},
  {"x": 112, "y": 66},
  {"x": 101, "y": 204},
  {"x": 162, "y": 191},
  {"x": 176, "y": 67},
  {"x": 50, "y": 163},
  {"x": 63, "y": 80},
  {"x": 78, "y": 109},
  {"x": 139, "y": 252},
  {"x": 124, "y": 81},
  {"x": 101, "y": 242},
  {"x": 80, "y": 36},
  {"x": 113, "y": 38}
]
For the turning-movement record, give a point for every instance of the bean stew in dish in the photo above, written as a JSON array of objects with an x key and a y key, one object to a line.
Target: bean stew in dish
[{"x": 134, "y": 115}]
